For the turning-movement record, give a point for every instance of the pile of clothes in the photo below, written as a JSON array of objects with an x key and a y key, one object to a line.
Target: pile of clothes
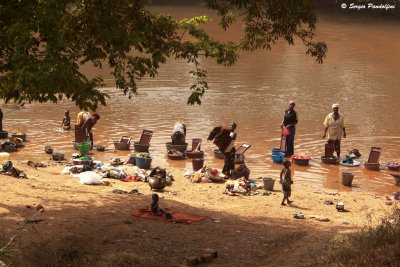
[
  {"x": 9, "y": 169},
  {"x": 206, "y": 174},
  {"x": 240, "y": 186}
]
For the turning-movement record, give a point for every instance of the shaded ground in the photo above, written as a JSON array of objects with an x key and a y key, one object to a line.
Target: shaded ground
[{"x": 89, "y": 226}]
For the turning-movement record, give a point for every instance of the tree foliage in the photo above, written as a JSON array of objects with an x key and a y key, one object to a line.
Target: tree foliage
[{"x": 43, "y": 43}]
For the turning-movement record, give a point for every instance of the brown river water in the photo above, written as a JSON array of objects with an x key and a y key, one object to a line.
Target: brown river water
[{"x": 361, "y": 72}]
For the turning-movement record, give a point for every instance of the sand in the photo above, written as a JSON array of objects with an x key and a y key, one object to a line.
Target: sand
[{"x": 87, "y": 225}]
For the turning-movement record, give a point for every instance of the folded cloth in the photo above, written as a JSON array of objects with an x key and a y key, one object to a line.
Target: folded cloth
[{"x": 177, "y": 217}]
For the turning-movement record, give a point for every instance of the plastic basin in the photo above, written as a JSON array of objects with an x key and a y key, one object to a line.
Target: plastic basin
[
  {"x": 22, "y": 136},
  {"x": 143, "y": 163},
  {"x": 121, "y": 146},
  {"x": 278, "y": 157},
  {"x": 372, "y": 166},
  {"x": 276, "y": 150},
  {"x": 140, "y": 148},
  {"x": 301, "y": 162},
  {"x": 194, "y": 154},
  {"x": 333, "y": 160},
  {"x": 180, "y": 148},
  {"x": 84, "y": 147}
]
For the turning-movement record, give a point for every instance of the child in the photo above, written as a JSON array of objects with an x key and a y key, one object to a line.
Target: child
[
  {"x": 156, "y": 210},
  {"x": 286, "y": 181},
  {"x": 66, "y": 122}
]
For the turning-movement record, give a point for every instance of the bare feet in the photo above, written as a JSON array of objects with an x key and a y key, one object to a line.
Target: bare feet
[
  {"x": 283, "y": 204},
  {"x": 290, "y": 202}
]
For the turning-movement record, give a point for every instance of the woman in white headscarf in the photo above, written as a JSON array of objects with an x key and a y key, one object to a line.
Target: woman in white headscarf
[
  {"x": 334, "y": 126},
  {"x": 178, "y": 134}
]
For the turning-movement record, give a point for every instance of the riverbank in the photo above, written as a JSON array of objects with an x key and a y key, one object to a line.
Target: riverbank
[{"x": 88, "y": 225}]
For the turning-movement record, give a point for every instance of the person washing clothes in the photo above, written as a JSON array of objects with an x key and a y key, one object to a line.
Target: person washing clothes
[
  {"x": 85, "y": 122},
  {"x": 178, "y": 134},
  {"x": 334, "y": 126},
  {"x": 66, "y": 122},
  {"x": 224, "y": 138}
]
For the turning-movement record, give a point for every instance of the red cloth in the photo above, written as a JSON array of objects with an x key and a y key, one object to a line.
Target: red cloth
[
  {"x": 177, "y": 217},
  {"x": 130, "y": 178}
]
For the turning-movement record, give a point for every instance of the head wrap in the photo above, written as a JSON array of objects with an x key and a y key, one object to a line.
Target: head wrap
[
  {"x": 336, "y": 105},
  {"x": 292, "y": 102}
]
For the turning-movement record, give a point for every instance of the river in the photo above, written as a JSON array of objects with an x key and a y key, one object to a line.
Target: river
[{"x": 361, "y": 73}]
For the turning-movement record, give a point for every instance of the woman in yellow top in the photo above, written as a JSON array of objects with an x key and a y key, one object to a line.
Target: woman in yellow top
[{"x": 334, "y": 125}]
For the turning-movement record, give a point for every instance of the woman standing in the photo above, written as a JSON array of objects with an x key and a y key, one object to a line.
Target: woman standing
[
  {"x": 334, "y": 125},
  {"x": 290, "y": 120}
]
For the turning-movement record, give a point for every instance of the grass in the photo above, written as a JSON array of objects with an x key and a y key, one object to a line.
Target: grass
[
  {"x": 371, "y": 246},
  {"x": 5, "y": 253}
]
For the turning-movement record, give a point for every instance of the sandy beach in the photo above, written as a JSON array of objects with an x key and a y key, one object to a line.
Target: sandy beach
[{"x": 88, "y": 225}]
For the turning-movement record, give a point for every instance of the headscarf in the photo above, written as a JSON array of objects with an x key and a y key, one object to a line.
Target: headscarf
[{"x": 336, "y": 105}]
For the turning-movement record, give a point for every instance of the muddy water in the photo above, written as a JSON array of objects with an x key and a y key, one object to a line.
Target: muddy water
[{"x": 362, "y": 73}]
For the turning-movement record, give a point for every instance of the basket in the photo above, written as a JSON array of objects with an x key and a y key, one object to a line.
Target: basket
[
  {"x": 269, "y": 183},
  {"x": 333, "y": 160},
  {"x": 194, "y": 154},
  {"x": 372, "y": 166},
  {"x": 218, "y": 154},
  {"x": 180, "y": 148},
  {"x": 121, "y": 146},
  {"x": 277, "y": 157},
  {"x": 140, "y": 148},
  {"x": 301, "y": 162},
  {"x": 22, "y": 136},
  {"x": 143, "y": 163},
  {"x": 347, "y": 178},
  {"x": 84, "y": 147}
]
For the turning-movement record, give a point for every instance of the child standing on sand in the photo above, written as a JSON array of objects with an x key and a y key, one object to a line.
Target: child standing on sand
[{"x": 286, "y": 181}]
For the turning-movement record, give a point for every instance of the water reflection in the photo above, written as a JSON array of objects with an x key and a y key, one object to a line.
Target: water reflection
[{"x": 361, "y": 73}]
